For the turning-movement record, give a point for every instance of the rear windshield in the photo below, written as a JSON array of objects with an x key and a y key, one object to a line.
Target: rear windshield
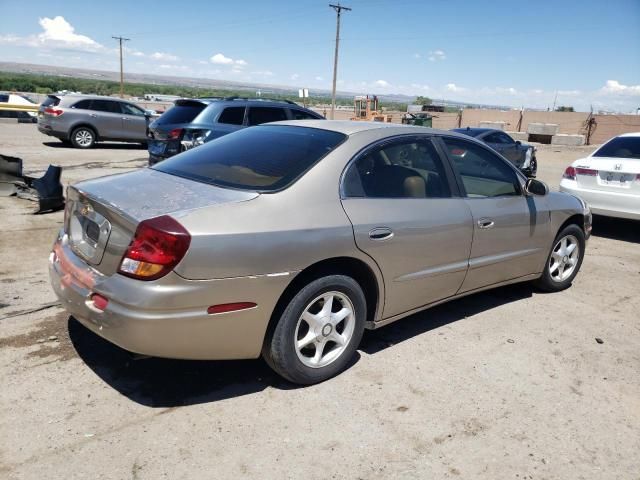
[
  {"x": 51, "y": 101},
  {"x": 265, "y": 158},
  {"x": 622, "y": 147},
  {"x": 181, "y": 113}
]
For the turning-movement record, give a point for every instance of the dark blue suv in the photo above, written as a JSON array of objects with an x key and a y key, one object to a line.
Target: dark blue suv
[{"x": 192, "y": 122}]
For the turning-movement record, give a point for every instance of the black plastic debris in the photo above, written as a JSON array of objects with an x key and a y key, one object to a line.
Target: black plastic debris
[{"x": 46, "y": 190}]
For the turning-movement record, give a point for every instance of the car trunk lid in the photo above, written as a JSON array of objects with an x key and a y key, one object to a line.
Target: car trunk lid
[
  {"x": 102, "y": 215},
  {"x": 611, "y": 174}
]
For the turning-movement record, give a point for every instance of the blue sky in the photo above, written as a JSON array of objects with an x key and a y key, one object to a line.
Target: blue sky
[{"x": 513, "y": 53}]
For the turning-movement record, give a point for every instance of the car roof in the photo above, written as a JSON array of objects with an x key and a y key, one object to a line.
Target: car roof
[
  {"x": 630, "y": 134},
  {"x": 475, "y": 131},
  {"x": 82, "y": 96},
  {"x": 349, "y": 127}
]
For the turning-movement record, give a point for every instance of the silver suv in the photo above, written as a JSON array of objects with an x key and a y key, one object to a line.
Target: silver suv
[{"x": 82, "y": 120}]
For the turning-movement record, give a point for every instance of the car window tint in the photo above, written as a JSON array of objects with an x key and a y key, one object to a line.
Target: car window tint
[
  {"x": 300, "y": 115},
  {"x": 181, "y": 113},
  {"x": 483, "y": 173},
  {"x": 232, "y": 116},
  {"x": 50, "y": 101},
  {"x": 620, "y": 147},
  {"x": 82, "y": 104},
  {"x": 105, "y": 106},
  {"x": 4, "y": 98},
  {"x": 403, "y": 169},
  {"x": 129, "y": 109},
  {"x": 258, "y": 115},
  {"x": 506, "y": 139},
  {"x": 264, "y": 158}
]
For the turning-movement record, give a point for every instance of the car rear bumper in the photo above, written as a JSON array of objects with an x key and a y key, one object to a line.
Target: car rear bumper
[
  {"x": 48, "y": 130},
  {"x": 609, "y": 204},
  {"x": 167, "y": 317}
]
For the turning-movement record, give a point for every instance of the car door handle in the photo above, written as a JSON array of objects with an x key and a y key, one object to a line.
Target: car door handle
[
  {"x": 380, "y": 233},
  {"x": 485, "y": 223},
  {"x": 125, "y": 118},
  {"x": 93, "y": 115}
]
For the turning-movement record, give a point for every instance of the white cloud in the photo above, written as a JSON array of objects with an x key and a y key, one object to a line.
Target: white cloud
[
  {"x": 319, "y": 78},
  {"x": 241, "y": 63},
  {"x": 165, "y": 57},
  {"x": 417, "y": 55},
  {"x": 436, "y": 55},
  {"x": 420, "y": 87},
  {"x": 58, "y": 30},
  {"x": 382, "y": 83},
  {"x": 295, "y": 77},
  {"x": 569, "y": 93},
  {"x": 452, "y": 87},
  {"x": 614, "y": 87},
  {"x": 220, "y": 59},
  {"x": 264, "y": 73}
]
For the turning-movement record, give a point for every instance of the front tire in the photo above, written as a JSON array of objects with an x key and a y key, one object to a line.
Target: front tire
[
  {"x": 318, "y": 332},
  {"x": 83, "y": 137},
  {"x": 564, "y": 261}
]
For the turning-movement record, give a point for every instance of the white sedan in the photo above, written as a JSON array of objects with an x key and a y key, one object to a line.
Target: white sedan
[{"x": 608, "y": 179}]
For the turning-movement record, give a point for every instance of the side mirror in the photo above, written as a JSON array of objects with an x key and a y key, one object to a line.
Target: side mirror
[
  {"x": 536, "y": 187},
  {"x": 518, "y": 142}
]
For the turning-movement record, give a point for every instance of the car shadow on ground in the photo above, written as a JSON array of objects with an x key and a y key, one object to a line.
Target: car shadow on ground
[
  {"x": 157, "y": 382},
  {"x": 100, "y": 146},
  {"x": 616, "y": 228},
  {"x": 444, "y": 314}
]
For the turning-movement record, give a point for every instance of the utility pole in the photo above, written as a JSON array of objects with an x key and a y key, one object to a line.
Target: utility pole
[
  {"x": 555, "y": 99},
  {"x": 338, "y": 8},
  {"x": 121, "y": 39}
]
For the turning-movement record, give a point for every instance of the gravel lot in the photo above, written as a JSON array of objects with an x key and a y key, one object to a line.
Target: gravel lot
[{"x": 503, "y": 384}]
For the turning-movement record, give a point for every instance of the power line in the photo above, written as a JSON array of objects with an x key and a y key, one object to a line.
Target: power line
[
  {"x": 338, "y": 8},
  {"x": 121, "y": 39}
]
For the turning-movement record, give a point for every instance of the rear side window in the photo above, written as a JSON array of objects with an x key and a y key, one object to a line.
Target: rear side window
[
  {"x": 620, "y": 147},
  {"x": 107, "y": 106},
  {"x": 300, "y": 115},
  {"x": 4, "y": 98},
  {"x": 232, "y": 116},
  {"x": 182, "y": 113},
  {"x": 129, "y": 109},
  {"x": 258, "y": 115},
  {"x": 265, "y": 158},
  {"x": 51, "y": 101},
  {"x": 82, "y": 104}
]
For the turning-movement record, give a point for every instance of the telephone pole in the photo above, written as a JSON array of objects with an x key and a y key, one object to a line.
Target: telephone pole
[
  {"x": 338, "y": 8},
  {"x": 121, "y": 39}
]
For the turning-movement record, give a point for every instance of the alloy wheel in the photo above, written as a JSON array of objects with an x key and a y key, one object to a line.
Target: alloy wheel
[
  {"x": 564, "y": 258},
  {"x": 324, "y": 329},
  {"x": 84, "y": 138}
]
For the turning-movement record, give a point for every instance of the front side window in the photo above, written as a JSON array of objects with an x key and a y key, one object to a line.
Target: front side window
[
  {"x": 483, "y": 173},
  {"x": 265, "y": 158},
  {"x": 129, "y": 109},
  {"x": 259, "y": 115},
  {"x": 402, "y": 169},
  {"x": 232, "y": 116},
  {"x": 108, "y": 106}
]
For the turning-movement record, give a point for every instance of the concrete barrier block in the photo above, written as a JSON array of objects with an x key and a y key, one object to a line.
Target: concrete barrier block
[
  {"x": 521, "y": 136},
  {"x": 496, "y": 125},
  {"x": 543, "y": 128},
  {"x": 564, "y": 139}
]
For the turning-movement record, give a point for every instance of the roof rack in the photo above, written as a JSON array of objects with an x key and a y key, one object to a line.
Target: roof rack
[{"x": 261, "y": 99}]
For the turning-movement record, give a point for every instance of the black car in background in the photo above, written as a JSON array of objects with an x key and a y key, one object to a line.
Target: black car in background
[
  {"x": 192, "y": 122},
  {"x": 520, "y": 154}
]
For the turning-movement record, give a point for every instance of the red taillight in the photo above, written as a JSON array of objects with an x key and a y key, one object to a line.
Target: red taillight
[
  {"x": 570, "y": 173},
  {"x": 55, "y": 112},
  {"x": 157, "y": 246},
  {"x": 174, "y": 134},
  {"x": 229, "y": 307},
  {"x": 586, "y": 171}
]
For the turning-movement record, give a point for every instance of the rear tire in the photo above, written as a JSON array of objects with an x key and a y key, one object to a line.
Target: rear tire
[
  {"x": 564, "y": 260},
  {"x": 318, "y": 333},
  {"x": 83, "y": 137}
]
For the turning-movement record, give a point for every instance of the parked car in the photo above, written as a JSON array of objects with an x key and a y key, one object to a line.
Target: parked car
[
  {"x": 83, "y": 120},
  {"x": 520, "y": 154},
  {"x": 289, "y": 239},
  {"x": 16, "y": 99},
  {"x": 192, "y": 122},
  {"x": 608, "y": 179}
]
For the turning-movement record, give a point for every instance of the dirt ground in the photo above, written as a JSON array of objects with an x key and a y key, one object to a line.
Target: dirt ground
[{"x": 509, "y": 383}]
